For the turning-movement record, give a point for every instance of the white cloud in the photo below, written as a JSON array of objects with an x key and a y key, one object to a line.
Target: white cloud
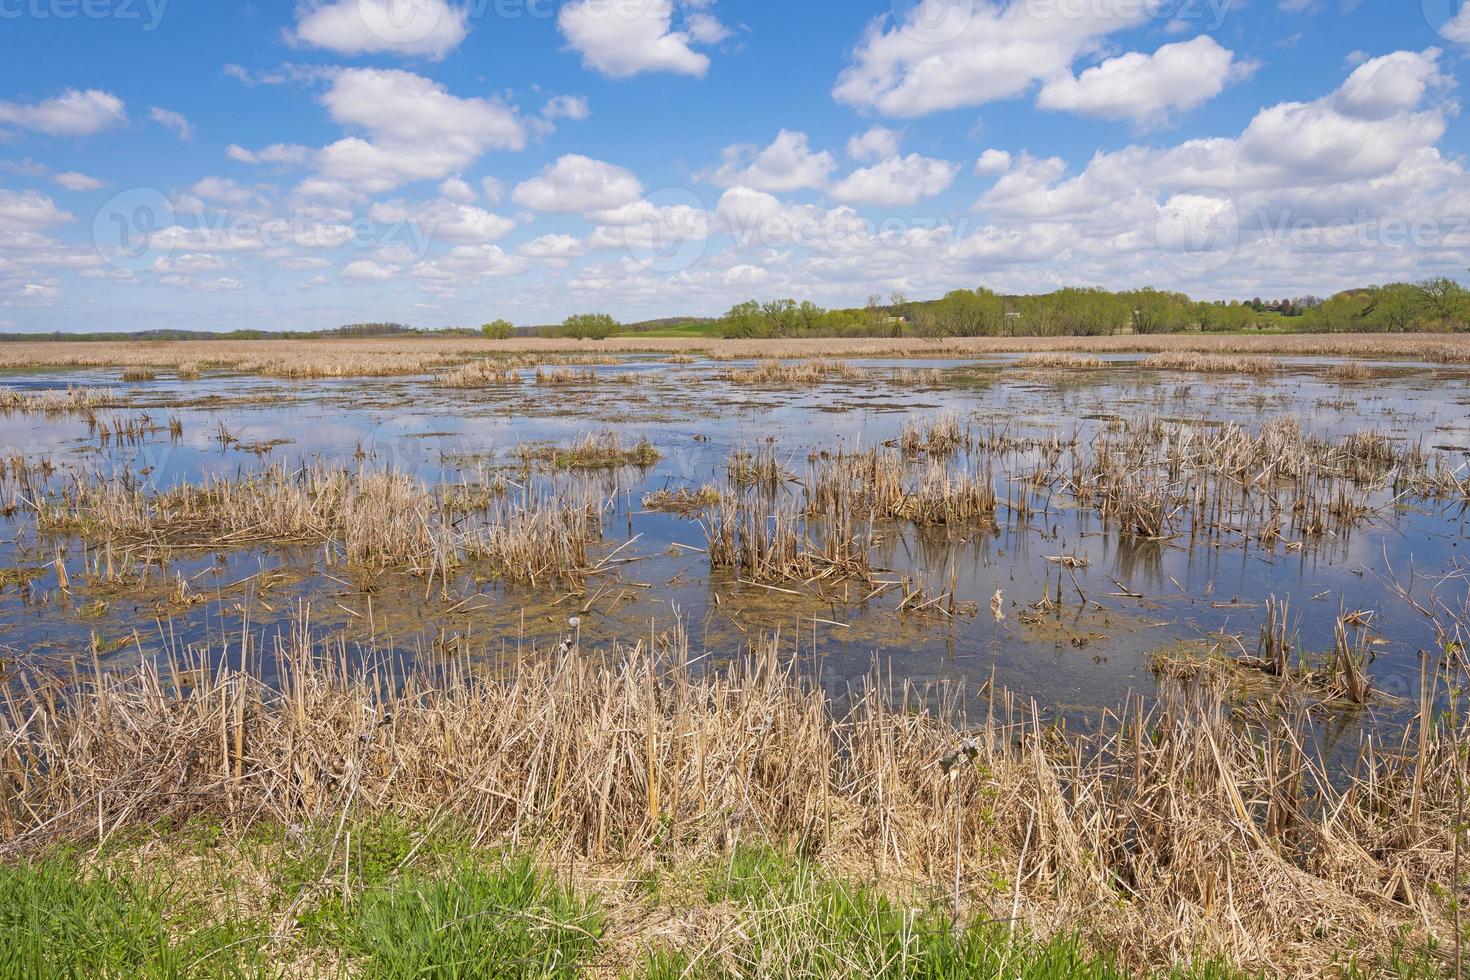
[
  {"x": 645, "y": 225},
  {"x": 621, "y": 38},
  {"x": 415, "y": 130},
  {"x": 29, "y": 211},
  {"x": 877, "y": 143},
  {"x": 945, "y": 55},
  {"x": 788, "y": 164},
  {"x": 993, "y": 162},
  {"x": 1391, "y": 84},
  {"x": 285, "y": 154},
  {"x": 1144, "y": 87},
  {"x": 72, "y": 113},
  {"x": 553, "y": 247},
  {"x": 458, "y": 190},
  {"x": 367, "y": 270},
  {"x": 422, "y": 28},
  {"x": 222, "y": 189},
  {"x": 446, "y": 220},
  {"x": 175, "y": 121},
  {"x": 897, "y": 180},
  {"x": 573, "y": 107},
  {"x": 73, "y": 181},
  {"x": 578, "y": 183},
  {"x": 467, "y": 264}
]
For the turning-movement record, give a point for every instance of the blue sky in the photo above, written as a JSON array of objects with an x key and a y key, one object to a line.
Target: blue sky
[{"x": 177, "y": 163}]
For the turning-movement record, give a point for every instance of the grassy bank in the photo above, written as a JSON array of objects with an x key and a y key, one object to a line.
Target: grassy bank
[
  {"x": 634, "y": 814},
  {"x": 388, "y": 899}
]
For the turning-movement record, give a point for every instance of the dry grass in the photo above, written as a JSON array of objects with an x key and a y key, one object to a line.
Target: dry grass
[
  {"x": 1350, "y": 371},
  {"x": 683, "y": 500},
  {"x": 380, "y": 357},
  {"x": 1210, "y": 363},
  {"x": 595, "y": 451},
  {"x": 1063, "y": 360},
  {"x": 377, "y": 518},
  {"x": 478, "y": 374},
  {"x": 1183, "y": 831},
  {"x": 812, "y": 372},
  {"x": 84, "y": 401}
]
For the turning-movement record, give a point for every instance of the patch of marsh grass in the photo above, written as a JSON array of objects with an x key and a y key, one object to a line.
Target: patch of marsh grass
[{"x": 62, "y": 917}]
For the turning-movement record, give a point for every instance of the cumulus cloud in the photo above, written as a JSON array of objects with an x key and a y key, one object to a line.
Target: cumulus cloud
[
  {"x": 645, "y": 225},
  {"x": 993, "y": 162},
  {"x": 73, "y": 181},
  {"x": 412, "y": 28},
  {"x": 897, "y": 180},
  {"x": 553, "y": 249},
  {"x": 573, "y": 107},
  {"x": 877, "y": 143},
  {"x": 72, "y": 113},
  {"x": 368, "y": 270},
  {"x": 445, "y": 220},
  {"x": 578, "y": 183},
  {"x": 945, "y": 55},
  {"x": 174, "y": 121},
  {"x": 621, "y": 38},
  {"x": 788, "y": 164},
  {"x": 284, "y": 154},
  {"x": 415, "y": 130},
  {"x": 1142, "y": 87}
]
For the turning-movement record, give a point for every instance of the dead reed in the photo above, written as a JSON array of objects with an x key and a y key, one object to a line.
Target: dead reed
[
  {"x": 811, "y": 372},
  {"x": 1210, "y": 363},
  {"x": 1062, "y": 360},
  {"x": 595, "y": 451},
  {"x": 79, "y": 400},
  {"x": 1182, "y": 831},
  {"x": 478, "y": 374},
  {"x": 379, "y": 518},
  {"x": 682, "y": 500}
]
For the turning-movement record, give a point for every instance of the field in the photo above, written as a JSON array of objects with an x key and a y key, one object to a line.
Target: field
[{"x": 682, "y": 657}]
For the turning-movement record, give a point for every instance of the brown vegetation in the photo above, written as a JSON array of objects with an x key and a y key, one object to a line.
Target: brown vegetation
[{"x": 1192, "y": 829}]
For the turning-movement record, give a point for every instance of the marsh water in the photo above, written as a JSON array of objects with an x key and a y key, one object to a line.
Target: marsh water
[{"x": 1132, "y": 597}]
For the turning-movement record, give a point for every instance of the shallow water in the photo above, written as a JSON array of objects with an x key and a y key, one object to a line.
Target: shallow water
[{"x": 1142, "y": 595}]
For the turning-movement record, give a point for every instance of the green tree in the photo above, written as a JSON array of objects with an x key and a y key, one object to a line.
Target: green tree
[
  {"x": 590, "y": 326},
  {"x": 498, "y": 329}
]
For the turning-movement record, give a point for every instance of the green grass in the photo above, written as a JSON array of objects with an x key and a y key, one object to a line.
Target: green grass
[
  {"x": 61, "y": 919},
  {"x": 404, "y": 902},
  {"x": 474, "y": 921}
]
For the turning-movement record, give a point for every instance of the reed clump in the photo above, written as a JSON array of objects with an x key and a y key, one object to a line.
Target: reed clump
[
  {"x": 1211, "y": 363},
  {"x": 565, "y": 376},
  {"x": 83, "y": 401},
  {"x": 380, "y": 518},
  {"x": 1350, "y": 371},
  {"x": 595, "y": 451},
  {"x": 1162, "y": 835},
  {"x": 135, "y": 374},
  {"x": 809, "y": 372},
  {"x": 682, "y": 500},
  {"x": 479, "y": 374},
  {"x": 1061, "y": 360}
]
